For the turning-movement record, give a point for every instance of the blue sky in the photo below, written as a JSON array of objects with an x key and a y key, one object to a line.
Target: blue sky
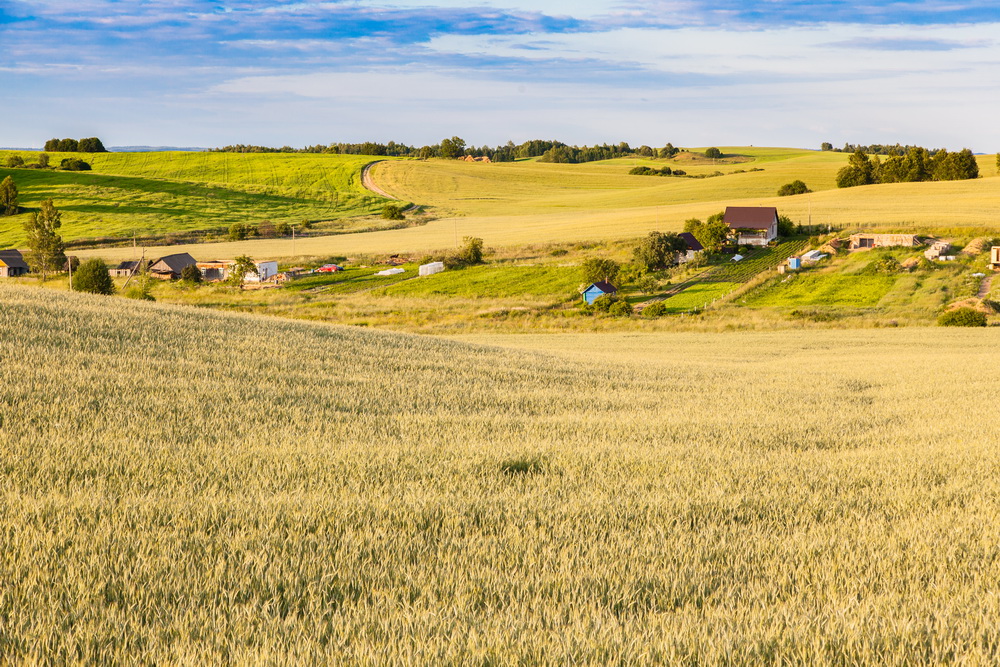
[{"x": 692, "y": 72}]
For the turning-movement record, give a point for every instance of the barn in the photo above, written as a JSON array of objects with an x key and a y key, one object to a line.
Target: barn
[{"x": 12, "y": 264}]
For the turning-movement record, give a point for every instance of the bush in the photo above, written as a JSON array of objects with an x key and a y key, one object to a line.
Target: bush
[
  {"x": 559, "y": 252},
  {"x": 283, "y": 229},
  {"x": 796, "y": 187},
  {"x": 603, "y": 304},
  {"x": 471, "y": 251},
  {"x": 74, "y": 164},
  {"x": 655, "y": 309},
  {"x": 620, "y": 309},
  {"x": 15, "y": 161},
  {"x": 191, "y": 274},
  {"x": 962, "y": 317},
  {"x": 239, "y": 231},
  {"x": 93, "y": 277},
  {"x": 886, "y": 264},
  {"x": 713, "y": 153},
  {"x": 648, "y": 284},
  {"x": 392, "y": 212}
]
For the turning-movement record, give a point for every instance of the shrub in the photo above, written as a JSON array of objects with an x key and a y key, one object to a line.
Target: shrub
[
  {"x": 559, "y": 252},
  {"x": 796, "y": 187},
  {"x": 886, "y": 264},
  {"x": 15, "y": 161},
  {"x": 603, "y": 304},
  {"x": 74, "y": 164},
  {"x": 962, "y": 317},
  {"x": 655, "y": 309},
  {"x": 283, "y": 229},
  {"x": 648, "y": 284},
  {"x": 191, "y": 274},
  {"x": 620, "y": 309},
  {"x": 93, "y": 277},
  {"x": 239, "y": 231},
  {"x": 471, "y": 251},
  {"x": 392, "y": 212},
  {"x": 713, "y": 153}
]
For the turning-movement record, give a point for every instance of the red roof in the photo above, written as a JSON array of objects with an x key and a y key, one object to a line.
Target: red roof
[{"x": 751, "y": 217}]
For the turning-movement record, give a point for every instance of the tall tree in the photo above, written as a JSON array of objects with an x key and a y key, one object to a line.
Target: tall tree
[
  {"x": 69, "y": 145},
  {"x": 712, "y": 234},
  {"x": 597, "y": 269},
  {"x": 243, "y": 267},
  {"x": 658, "y": 250},
  {"x": 451, "y": 148},
  {"x": 8, "y": 197},
  {"x": 46, "y": 251}
]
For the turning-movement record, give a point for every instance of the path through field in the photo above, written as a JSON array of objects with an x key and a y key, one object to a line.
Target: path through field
[{"x": 984, "y": 288}]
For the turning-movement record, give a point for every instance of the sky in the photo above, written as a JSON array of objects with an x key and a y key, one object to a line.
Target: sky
[{"x": 691, "y": 72}]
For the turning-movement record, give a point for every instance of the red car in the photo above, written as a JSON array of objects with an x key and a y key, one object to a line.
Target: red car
[{"x": 328, "y": 268}]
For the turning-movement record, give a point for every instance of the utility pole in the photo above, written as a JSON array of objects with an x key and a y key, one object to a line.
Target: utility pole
[
  {"x": 293, "y": 240},
  {"x": 69, "y": 263}
]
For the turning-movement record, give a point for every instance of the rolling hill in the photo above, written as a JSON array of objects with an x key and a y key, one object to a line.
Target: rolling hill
[
  {"x": 530, "y": 202},
  {"x": 189, "y": 486},
  {"x": 159, "y": 193}
]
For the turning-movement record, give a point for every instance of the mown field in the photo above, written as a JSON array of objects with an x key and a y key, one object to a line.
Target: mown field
[
  {"x": 528, "y": 202},
  {"x": 188, "y": 486},
  {"x": 159, "y": 193}
]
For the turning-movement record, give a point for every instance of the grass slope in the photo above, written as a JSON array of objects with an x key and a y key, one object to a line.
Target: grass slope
[
  {"x": 525, "y": 202},
  {"x": 164, "y": 192},
  {"x": 183, "y": 486}
]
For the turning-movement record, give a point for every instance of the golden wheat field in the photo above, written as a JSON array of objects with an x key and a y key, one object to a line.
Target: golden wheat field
[{"x": 189, "y": 486}]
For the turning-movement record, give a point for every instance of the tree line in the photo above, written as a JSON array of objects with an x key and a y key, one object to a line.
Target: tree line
[
  {"x": 875, "y": 149},
  {"x": 88, "y": 145},
  {"x": 917, "y": 164},
  {"x": 455, "y": 147}
]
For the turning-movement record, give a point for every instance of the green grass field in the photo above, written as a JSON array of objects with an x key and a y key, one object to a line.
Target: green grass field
[
  {"x": 494, "y": 281},
  {"x": 169, "y": 192},
  {"x": 187, "y": 486}
]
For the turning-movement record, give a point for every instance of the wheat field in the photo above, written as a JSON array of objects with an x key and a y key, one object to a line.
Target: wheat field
[{"x": 189, "y": 486}]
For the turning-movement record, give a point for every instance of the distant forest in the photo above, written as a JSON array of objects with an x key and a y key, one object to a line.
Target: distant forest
[
  {"x": 547, "y": 151},
  {"x": 877, "y": 149}
]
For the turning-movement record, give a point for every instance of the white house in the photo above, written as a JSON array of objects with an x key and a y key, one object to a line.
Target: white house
[{"x": 266, "y": 270}]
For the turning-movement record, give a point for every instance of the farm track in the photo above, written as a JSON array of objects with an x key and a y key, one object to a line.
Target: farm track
[{"x": 368, "y": 182}]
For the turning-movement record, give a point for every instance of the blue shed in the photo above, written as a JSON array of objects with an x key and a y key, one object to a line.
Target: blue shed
[
  {"x": 794, "y": 263},
  {"x": 598, "y": 289}
]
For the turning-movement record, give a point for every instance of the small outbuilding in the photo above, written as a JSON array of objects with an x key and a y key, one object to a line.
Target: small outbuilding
[
  {"x": 126, "y": 269},
  {"x": 171, "y": 266},
  {"x": 753, "y": 225},
  {"x": 596, "y": 290},
  {"x": 995, "y": 258},
  {"x": 864, "y": 241},
  {"x": 431, "y": 268},
  {"x": 12, "y": 264},
  {"x": 266, "y": 271}
]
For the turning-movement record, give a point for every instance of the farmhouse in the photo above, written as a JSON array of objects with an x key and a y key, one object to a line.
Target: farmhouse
[
  {"x": 125, "y": 269},
  {"x": 754, "y": 225},
  {"x": 596, "y": 290},
  {"x": 12, "y": 264},
  {"x": 693, "y": 248},
  {"x": 170, "y": 267},
  {"x": 862, "y": 241},
  {"x": 215, "y": 270}
]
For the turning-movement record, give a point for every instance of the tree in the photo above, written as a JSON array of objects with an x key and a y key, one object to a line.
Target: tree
[
  {"x": 597, "y": 269},
  {"x": 68, "y": 145},
  {"x": 471, "y": 251},
  {"x": 52, "y": 145},
  {"x": 712, "y": 234},
  {"x": 93, "y": 277},
  {"x": 243, "y": 267},
  {"x": 74, "y": 164},
  {"x": 713, "y": 153},
  {"x": 796, "y": 187},
  {"x": 238, "y": 231},
  {"x": 43, "y": 160},
  {"x": 658, "y": 250},
  {"x": 283, "y": 228},
  {"x": 826, "y": 146},
  {"x": 392, "y": 212},
  {"x": 859, "y": 171},
  {"x": 451, "y": 148},
  {"x": 785, "y": 226},
  {"x": 191, "y": 274},
  {"x": 45, "y": 246},
  {"x": 8, "y": 197},
  {"x": 91, "y": 145},
  {"x": 15, "y": 161}
]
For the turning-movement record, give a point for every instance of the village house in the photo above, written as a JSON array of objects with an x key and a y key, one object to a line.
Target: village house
[
  {"x": 12, "y": 264},
  {"x": 171, "y": 266},
  {"x": 596, "y": 290},
  {"x": 693, "y": 248},
  {"x": 215, "y": 270},
  {"x": 266, "y": 271},
  {"x": 126, "y": 269},
  {"x": 753, "y": 225},
  {"x": 864, "y": 241}
]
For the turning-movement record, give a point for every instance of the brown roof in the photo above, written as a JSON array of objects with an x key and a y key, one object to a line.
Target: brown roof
[
  {"x": 750, "y": 217},
  {"x": 691, "y": 241},
  {"x": 174, "y": 263},
  {"x": 13, "y": 259}
]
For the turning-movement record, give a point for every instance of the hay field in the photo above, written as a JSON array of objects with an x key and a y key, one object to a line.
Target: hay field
[
  {"x": 183, "y": 485},
  {"x": 169, "y": 192},
  {"x": 510, "y": 204}
]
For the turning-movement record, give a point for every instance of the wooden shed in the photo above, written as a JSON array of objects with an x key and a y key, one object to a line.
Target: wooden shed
[
  {"x": 863, "y": 241},
  {"x": 596, "y": 290},
  {"x": 171, "y": 266},
  {"x": 12, "y": 264}
]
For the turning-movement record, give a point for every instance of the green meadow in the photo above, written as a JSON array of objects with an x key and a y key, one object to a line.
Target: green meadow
[{"x": 159, "y": 193}]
